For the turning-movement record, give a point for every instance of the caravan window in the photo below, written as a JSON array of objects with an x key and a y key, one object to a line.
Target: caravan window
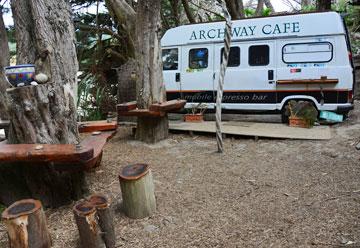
[
  {"x": 259, "y": 55},
  {"x": 170, "y": 59},
  {"x": 234, "y": 56},
  {"x": 314, "y": 52},
  {"x": 198, "y": 58}
]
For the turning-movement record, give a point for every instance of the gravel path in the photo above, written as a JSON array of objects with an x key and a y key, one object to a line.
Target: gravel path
[{"x": 269, "y": 193}]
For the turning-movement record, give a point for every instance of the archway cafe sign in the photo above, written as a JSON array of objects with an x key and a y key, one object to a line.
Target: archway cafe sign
[{"x": 246, "y": 31}]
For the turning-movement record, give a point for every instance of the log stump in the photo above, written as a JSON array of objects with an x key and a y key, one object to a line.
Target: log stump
[
  {"x": 94, "y": 219},
  {"x": 105, "y": 218},
  {"x": 89, "y": 231},
  {"x": 26, "y": 225},
  {"x": 137, "y": 190}
]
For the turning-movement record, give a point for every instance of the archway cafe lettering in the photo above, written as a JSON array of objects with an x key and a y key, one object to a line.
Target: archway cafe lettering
[{"x": 247, "y": 31}]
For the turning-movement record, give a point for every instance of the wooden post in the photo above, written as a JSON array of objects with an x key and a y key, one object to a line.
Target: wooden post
[
  {"x": 85, "y": 217},
  {"x": 26, "y": 225},
  {"x": 105, "y": 218},
  {"x": 137, "y": 190}
]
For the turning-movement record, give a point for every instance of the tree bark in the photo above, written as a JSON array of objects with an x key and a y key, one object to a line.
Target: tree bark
[
  {"x": 323, "y": 5},
  {"x": 259, "y": 8},
  {"x": 269, "y": 5},
  {"x": 149, "y": 86},
  {"x": 231, "y": 6},
  {"x": 45, "y": 113},
  {"x": 4, "y": 61},
  {"x": 26, "y": 225},
  {"x": 188, "y": 12},
  {"x": 175, "y": 11}
]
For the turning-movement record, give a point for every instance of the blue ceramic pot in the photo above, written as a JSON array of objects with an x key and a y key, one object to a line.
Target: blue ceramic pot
[{"x": 20, "y": 74}]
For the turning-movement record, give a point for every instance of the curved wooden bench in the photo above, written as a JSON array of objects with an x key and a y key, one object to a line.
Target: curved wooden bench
[{"x": 64, "y": 156}]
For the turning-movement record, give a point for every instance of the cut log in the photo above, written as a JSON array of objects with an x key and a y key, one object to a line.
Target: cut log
[
  {"x": 105, "y": 218},
  {"x": 137, "y": 190},
  {"x": 26, "y": 225},
  {"x": 89, "y": 231}
]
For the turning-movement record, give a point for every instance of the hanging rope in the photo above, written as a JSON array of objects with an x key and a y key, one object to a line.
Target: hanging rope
[{"x": 220, "y": 89}]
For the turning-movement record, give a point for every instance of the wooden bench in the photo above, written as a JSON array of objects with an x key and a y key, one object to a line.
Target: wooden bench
[
  {"x": 155, "y": 110},
  {"x": 65, "y": 157},
  {"x": 92, "y": 126}
]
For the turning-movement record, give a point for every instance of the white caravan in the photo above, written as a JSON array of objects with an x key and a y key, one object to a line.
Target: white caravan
[{"x": 272, "y": 60}]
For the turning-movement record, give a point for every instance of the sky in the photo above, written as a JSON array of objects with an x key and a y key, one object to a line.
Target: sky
[{"x": 279, "y": 5}]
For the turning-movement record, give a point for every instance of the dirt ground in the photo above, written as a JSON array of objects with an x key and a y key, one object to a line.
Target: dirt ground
[{"x": 265, "y": 193}]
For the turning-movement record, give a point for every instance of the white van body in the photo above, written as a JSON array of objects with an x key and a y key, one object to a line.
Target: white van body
[{"x": 272, "y": 60}]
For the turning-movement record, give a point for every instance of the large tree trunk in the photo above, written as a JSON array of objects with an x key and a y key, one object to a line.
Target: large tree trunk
[
  {"x": 149, "y": 86},
  {"x": 4, "y": 61},
  {"x": 46, "y": 113}
]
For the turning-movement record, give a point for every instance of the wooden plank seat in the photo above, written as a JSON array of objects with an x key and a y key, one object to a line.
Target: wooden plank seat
[
  {"x": 155, "y": 110},
  {"x": 93, "y": 126},
  {"x": 84, "y": 156}
]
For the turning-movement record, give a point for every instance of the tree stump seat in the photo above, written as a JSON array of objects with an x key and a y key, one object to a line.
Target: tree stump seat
[
  {"x": 65, "y": 157},
  {"x": 155, "y": 110}
]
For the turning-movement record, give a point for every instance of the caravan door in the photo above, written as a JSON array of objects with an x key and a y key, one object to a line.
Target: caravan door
[
  {"x": 197, "y": 75},
  {"x": 171, "y": 68},
  {"x": 250, "y": 76}
]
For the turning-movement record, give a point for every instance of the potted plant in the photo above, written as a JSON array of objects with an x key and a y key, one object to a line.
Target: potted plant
[
  {"x": 196, "y": 113},
  {"x": 302, "y": 114}
]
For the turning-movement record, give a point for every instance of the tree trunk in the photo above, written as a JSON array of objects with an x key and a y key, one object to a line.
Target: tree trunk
[
  {"x": 259, "y": 8},
  {"x": 175, "y": 11},
  {"x": 269, "y": 5},
  {"x": 4, "y": 61},
  {"x": 232, "y": 8},
  {"x": 188, "y": 12},
  {"x": 45, "y": 113},
  {"x": 323, "y": 5},
  {"x": 149, "y": 86}
]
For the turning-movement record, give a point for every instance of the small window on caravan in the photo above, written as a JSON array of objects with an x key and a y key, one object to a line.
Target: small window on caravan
[
  {"x": 234, "y": 56},
  {"x": 314, "y": 52},
  {"x": 259, "y": 55},
  {"x": 170, "y": 59},
  {"x": 198, "y": 58}
]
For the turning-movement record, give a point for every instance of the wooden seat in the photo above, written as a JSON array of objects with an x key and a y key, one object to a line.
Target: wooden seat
[
  {"x": 92, "y": 126},
  {"x": 84, "y": 156},
  {"x": 155, "y": 110}
]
